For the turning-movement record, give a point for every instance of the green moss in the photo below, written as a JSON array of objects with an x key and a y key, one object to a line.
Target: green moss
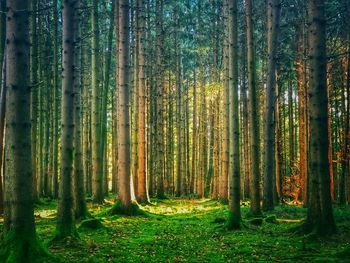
[
  {"x": 120, "y": 209},
  {"x": 19, "y": 247},
  {"x": 92, "y": 223},
  {"x": 192, "y": 231},
  {"x": 234, "y": 222}
]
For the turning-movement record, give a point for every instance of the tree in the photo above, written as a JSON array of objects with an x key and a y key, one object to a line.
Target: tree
[
  {"x": 2, "y": 95},
  {"x": 20, "y": 242},
  {"x": 234, "y": 154},
  {"x": 34, "y": 96},
  {"x": 55, "y": 167},
  {"x": 97, "y": 166},
  {"x": 142, "y": 189},
  {"x": 79, "y": 191},
  {"x": 253, "y": 117},
  {"x": 320, "y": 212},
  {"x": 65, "y": 216},
  {"x": 123, "y": 104},
  {"x": 273, "y": 10},
  {"x": 160, "y": 99}
]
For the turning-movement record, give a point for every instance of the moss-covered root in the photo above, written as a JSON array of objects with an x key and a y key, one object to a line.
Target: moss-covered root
[
  {"x": 19, "y": 247},
  {"x": 91, "y": 224},
  {"x": 120, "y": 209}
]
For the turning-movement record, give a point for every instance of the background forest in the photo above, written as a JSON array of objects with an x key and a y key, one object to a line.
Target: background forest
[{"x": 149, "y": 130}]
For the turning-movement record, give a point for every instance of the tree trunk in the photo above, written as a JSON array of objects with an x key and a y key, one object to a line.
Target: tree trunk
[
  {"x": 273, "y": 15},
  {"x": 253, "y": 117},
  {"x": 234, "y": 154},
  {"x": 302, "y": 93},
  {"x": 20, "y": 241},
  {"x": 65, "y": 215},
  {"x": 79, "y": 198},
  {"x": 2, "y": 96},
  {"x": 225, "y": 132},
  {"x": 320, "y": 211},
  {"x": 142, "y": 179},
  {"x": 56, "y": 99},
  {"x": 194, "y": 173},
  {"x": 97, "y": 165},
  {"x": 34, "y": 97},
  {"x": 123, "y": 104},
  {"x": 160, "y": 102}
]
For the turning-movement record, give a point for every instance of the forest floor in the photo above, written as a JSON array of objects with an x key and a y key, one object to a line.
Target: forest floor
[{"x": 194, "y": 231}]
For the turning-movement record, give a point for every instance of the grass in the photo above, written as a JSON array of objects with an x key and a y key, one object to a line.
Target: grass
[{"x": 194, "y": 231}]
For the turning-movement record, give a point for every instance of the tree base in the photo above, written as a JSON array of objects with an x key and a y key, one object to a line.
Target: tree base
[
  {"x": 22, "y": 247},
  {"x": 64, "y": 232},
  {"x": 321, "y": 230},
  {"x": 234, "y": 222},
  {"x": 120, "y": 209}
]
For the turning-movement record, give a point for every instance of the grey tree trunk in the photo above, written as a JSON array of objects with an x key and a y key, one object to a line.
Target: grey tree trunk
[
  {"x": 234, "y": 153},
  {"x": 253, "y": 115},
  {"x": 273, "y": 14},
  {"x": 79, "y": 190},
  {"x": 65, "y": 215},
  {"x": 96, "y": 139}
]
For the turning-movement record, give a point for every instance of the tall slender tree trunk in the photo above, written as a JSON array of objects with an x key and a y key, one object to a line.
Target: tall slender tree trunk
[
  {"x": 302, "y": 94},
  {"x": 104, "y": 111},
  {"x": 160, "y": 99},
  {"x": 142, "y": 179},
  {"x": 65, "y": 216},
  {"x": 344, "y": 157},
  {"x": 320, "y": 212},
  {"x": 273, "y": 14},
  {"x": 20, "y": 243},
  {"x": 56, "y": 101},
  {"x": 97, "y": 165},
  {"x": 225, "y": 132},
  {"x": 245, "y": 128},
  {"x": 194, "y": 137},
  {"x": 253, "y": 117},
  {"x": 179, "y": 142},
  {"x": 79, "y": 191},
  {"x": 2, "y": 96},
  {"x": 234, "y": 154},
  {"x": 123, "y": 104},
  {"x": 34, "y": 97}
]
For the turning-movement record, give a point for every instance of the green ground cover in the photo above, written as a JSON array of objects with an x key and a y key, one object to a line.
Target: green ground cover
[{"x": 194, "y": 231}]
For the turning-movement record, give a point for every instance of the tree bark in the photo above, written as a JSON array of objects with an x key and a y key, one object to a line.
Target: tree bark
[
  {"x": 20, "y": 242},
  {"x": 142, "y": 179},
  {"x": 320, "y": 211},
  {"x": 65, "y": 215},
  {"x": 79, "y": 191},
  {"x": 253, "y": 117},
  {"x": 97, "y": 165},
  {"x": 273, "y": 15},
  {"x": 234, "y": 154},
  {"x": 123, "y": 104},
  {"x": 2, "y": 96}
]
